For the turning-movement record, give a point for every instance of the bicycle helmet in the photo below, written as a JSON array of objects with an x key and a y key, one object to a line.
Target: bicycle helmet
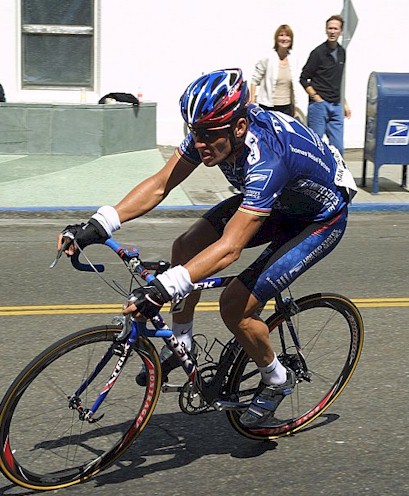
[{"x": 214, "y": 98}]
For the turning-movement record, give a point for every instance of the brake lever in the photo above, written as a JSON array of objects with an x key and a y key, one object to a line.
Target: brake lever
[{"x": 65, "y": 245}]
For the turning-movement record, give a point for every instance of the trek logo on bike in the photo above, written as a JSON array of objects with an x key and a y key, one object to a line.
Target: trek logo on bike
[{"x": 51, "y": 431}]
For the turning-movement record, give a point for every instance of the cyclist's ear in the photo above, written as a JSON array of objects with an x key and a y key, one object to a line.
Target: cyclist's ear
[{"x": 240, "y": 128}]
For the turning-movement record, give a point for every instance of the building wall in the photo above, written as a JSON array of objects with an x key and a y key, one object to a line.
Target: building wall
[{"x": 158, "y": 47}]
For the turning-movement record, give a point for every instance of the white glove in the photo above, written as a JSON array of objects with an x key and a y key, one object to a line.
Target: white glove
[
  {"x": 177, "y": 282},
  {"x": 108, "y": 217}
]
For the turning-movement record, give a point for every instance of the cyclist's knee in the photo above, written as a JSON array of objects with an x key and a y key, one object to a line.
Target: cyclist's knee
[
  {"x": 180, "y": 249},
  {"x": 193, "y": 241},
  {"x": 237, "y": 305}
]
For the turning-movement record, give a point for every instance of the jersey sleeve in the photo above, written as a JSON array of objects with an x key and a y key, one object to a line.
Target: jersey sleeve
[
  {"x": 264, "y": 180},
  {"x": 187, "y": 151}
]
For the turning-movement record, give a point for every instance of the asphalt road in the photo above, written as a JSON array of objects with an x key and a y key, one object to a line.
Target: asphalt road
[{"x": 361, "y": 447}]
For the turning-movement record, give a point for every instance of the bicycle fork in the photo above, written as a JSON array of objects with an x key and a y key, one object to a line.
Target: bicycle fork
[
  {"x": 123, "y": 347},
  {"x": 120, "y": 348},
  {"x": 288, "y": 308}
]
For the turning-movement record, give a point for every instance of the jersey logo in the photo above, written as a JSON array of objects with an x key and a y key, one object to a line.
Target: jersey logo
[
  {"x": 256, "y": 177},
  {"x": 252, "y": 142},
  {"x": 259, "y": 180}
]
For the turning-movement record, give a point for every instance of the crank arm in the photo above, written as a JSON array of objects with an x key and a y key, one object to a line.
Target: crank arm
[
  {"x": 220, "y": 405},
  {"x": 171, "y": 388}
]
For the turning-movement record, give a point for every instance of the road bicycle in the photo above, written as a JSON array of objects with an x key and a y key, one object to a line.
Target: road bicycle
[{"x": 76, "y": 408}]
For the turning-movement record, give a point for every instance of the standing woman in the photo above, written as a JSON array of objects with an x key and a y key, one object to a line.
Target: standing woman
[{"x": 273, "y": 75}]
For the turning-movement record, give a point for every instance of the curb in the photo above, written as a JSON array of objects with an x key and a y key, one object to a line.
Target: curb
[
  {"x": 168, "y": 211},
  {"x": 379, "y": 207}
]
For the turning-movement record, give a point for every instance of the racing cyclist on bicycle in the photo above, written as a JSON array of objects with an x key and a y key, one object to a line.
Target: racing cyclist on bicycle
[{"x": 294, "y": 192}]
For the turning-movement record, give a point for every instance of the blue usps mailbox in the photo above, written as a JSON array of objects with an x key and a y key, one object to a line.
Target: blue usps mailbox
[{"x": 387, "y": 124}]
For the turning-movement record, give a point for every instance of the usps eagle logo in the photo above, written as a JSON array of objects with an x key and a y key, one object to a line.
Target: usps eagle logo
[{"x": 397, "y": 132}]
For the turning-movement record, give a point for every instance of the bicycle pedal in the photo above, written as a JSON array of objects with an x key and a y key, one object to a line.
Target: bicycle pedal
[{"x": 171, "y": 388}]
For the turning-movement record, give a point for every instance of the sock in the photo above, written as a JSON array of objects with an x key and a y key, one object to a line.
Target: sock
[
  {"x": 184, "y": 333},
  {"x": 275, "y": 373}
]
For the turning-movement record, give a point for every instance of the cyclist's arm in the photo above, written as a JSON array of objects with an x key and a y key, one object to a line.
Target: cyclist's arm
[
  {"x": 241, "y": 228},
  {"x": 268, "y": 179},
  {"x": 150, "y": 192}
]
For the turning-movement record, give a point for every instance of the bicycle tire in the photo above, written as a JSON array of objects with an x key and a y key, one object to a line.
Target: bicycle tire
[
  {"x": 44, "y": 444},
  {"x": 331, "y": 332}
]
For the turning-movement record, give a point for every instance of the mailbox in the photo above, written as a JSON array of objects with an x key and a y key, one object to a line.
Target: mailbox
[{"x": 387, "y": 124}]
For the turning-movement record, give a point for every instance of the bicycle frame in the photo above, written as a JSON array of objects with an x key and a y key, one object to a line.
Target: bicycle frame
[
  {"x": 132, "y": 329},
  {"x": 325, "y": 327}
]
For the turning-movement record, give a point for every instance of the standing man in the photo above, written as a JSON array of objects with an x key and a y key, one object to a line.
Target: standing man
[{"x": 321, "y": 78}]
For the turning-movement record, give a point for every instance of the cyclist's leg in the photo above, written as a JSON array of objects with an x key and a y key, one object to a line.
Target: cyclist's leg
[
  {"x": 281, "y": 263},
  {"x": 239, "y": 302},
  {"x": 202, "y": 234},
  {"x": 199, "y": 236},
  {"x": 252, "y": 332},
  {"x": 293, "y": 250},
  {"x": 238, "y": 308}
]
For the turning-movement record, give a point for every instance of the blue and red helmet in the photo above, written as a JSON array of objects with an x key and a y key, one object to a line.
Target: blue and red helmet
[{"x": 215, "y": 99}]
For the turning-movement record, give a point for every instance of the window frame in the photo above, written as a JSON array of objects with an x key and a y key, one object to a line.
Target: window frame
[{"x": 59, "y": 29}]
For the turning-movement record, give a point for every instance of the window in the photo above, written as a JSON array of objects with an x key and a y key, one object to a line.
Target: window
[{"x": 57, "y": 43}]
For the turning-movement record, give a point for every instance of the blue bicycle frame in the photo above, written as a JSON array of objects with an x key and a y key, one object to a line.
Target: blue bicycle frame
[{"x": 132, "y": 329}]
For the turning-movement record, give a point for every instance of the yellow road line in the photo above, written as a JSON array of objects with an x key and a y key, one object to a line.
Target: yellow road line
[{"x": 205, "y": 306}]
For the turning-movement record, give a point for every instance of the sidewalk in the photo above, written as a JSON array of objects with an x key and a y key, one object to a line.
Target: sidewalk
[{"x": 58, "y": 183}]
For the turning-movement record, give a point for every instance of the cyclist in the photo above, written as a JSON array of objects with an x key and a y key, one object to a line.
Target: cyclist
[{"x": 294, "y": 192}]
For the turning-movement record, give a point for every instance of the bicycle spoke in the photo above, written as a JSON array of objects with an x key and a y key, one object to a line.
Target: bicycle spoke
[
  {"x": 49, "y": 442},
  {"x": 330, "y": 331}
]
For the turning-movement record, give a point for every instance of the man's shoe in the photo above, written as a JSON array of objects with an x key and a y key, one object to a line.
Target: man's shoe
[
  {"x": 266, "y": 401},
  {"x": 168, "y": 362}
]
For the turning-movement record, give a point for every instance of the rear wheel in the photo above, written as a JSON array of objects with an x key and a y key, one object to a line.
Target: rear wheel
[
  {"x": 44, "y": 443},
  {"x": 330, "y": 330}
]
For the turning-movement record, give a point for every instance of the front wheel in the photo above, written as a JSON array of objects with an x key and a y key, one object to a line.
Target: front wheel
[
  {"x": 45, "y": 445},
  {"x": 330, "y": 331}
]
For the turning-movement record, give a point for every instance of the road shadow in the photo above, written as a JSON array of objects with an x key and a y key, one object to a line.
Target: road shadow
[
  {"x": 177, "y": 440},
  {"x": 184, "y": 439}
]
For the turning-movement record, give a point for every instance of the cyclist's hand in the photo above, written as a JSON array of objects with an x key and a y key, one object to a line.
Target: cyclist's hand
[
  {"x": 148, "y": 300},
  {"x": 83, "y": 235}
]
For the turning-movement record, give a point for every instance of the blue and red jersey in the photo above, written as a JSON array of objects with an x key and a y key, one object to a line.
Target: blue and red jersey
[{"x": 284, "y": 165}]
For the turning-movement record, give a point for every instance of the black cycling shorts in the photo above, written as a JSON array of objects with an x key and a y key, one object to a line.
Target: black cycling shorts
[{"x": 294, "y": 246}]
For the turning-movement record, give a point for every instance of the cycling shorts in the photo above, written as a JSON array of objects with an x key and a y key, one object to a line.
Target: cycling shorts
[{"x": 294, "y": 246}]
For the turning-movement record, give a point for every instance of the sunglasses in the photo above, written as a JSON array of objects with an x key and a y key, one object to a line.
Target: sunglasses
[{"x": 208, "y": 134}]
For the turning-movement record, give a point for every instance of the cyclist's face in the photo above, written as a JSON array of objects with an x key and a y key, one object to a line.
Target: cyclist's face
[{"x": 213, "y": 144}]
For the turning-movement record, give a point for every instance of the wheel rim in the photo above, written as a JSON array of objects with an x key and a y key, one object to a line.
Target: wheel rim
[
  {"x": 46, "y": 444},
  {"x": 330, "y": 332}
]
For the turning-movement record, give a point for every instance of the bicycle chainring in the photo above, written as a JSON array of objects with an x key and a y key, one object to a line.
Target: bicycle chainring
[{"x": 191, "y": 401}]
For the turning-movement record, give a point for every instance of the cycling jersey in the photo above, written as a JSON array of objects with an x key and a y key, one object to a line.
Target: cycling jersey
[{"x": 285, "y": 166}]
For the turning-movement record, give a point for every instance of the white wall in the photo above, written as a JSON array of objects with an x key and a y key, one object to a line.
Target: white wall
[
  {"x": 161, "y": 46},
  {"x": 380, "y": 44}
]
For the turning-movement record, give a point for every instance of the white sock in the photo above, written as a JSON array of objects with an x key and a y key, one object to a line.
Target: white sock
[
  {"x": 184, "y": 333},
  {"x": 275, "y": 373}
]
